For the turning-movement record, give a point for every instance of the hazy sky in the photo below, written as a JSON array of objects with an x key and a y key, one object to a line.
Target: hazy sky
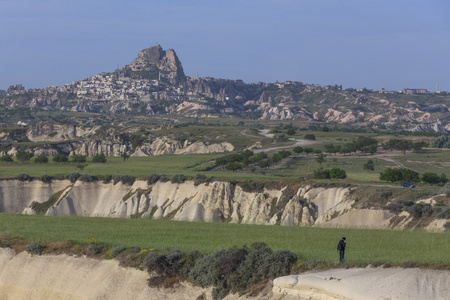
[{"x": 393, "y": 44}]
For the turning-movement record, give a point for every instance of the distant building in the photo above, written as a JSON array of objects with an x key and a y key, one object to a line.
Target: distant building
[{"x": 415, "y": 91}]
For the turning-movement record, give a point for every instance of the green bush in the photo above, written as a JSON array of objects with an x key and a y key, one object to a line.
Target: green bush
[
  {"x": 6, "y": 158},
  {"x": 99, "y": 158},
  {"x": 178, "y": 178},
  {"x": 107, "y": 178},
  {"x": 35, "y": 248},
  {"x": 87, "y": 178},
  {"x": 309, "y": 136},
  {"x": 77, "y": 158},
  {"x": 23, "y": 155},
  {"x": 419, "y": 210},
  {"x": 46, "y": 179},
  {"x": 24, "y": 177},
  {"x": 125, "y": 179},
  {"x": 152, "y": 179},
  {"x": 252, "y": 186},
  {"x": 94, "y": 249},
  {"x": 73, "y": 177},
  {"x": 60, "y": 158},
  {"x": 199, "y": 179},
  {"x": 236, "y": 269},
  {"x": 41, "y": 159},
  {"x": 163, "y": 178},
  {"x": 117, "y": 250}
]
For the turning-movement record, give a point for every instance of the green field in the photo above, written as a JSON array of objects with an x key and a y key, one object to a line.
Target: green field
[{"x": 315, "y": 244}]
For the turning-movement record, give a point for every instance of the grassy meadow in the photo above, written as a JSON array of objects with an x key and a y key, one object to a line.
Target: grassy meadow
[{"x": 311, "y": 244}]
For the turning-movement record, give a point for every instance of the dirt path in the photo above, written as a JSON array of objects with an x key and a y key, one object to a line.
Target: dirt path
[{"x": 298, "y": 142}]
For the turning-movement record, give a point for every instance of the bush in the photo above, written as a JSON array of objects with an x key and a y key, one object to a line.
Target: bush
[
  {"x": 60, "y": 158},
  {"x": 445, "y": 214},
  {"x": 78, "y": 158},
  {"x": 125, "y": 179},
  {"x": 199, "y": 179},
  {"x": 163, "y": 178},
  {"x": 41, "y": 159},
  {"x": 309, "y": 136},
  {"x": 46, "y": 179},
  {"x": 152, "y": 179},
  {"x": 35, "y": 248},
  {"x": 178, "y": 178},
  {"x": 419, "y": 210},
  {"x": 87, "y": 178},
  {"x": 99, "y": 158},
  {"x": 117, "y": 250},
  {"x": 23, "y": 155},
  {"x": 252, "y": 186},
  {"x": 236, "y": 269},
  {"x": 107, "y": 178},
  {"x": 94, "y": 249},
  {"x": 73, "y": 177},
  {"x": 6, "y": 158},
  {"x": 24, "y": 177}
]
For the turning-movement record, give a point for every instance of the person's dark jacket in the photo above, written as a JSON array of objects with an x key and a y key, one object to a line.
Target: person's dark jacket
[{"x": 341, "y": 245}]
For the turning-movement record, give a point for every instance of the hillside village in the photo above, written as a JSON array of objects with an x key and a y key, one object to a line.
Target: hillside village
[{"x": 155, "y": 84}]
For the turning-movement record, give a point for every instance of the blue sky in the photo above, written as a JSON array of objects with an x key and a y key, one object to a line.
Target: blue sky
[{"x": 393, "y": 44}]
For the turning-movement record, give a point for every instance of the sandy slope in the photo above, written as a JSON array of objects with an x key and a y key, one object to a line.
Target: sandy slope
[
  {"x": 23, "y": 276},
  {"x": 367, "y": 284}
]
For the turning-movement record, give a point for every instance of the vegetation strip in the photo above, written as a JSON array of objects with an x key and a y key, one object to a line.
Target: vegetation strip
[{"x": 310, "y": 244}]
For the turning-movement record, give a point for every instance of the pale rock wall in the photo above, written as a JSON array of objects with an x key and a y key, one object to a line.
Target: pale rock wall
[
  {"x": 215, "y": 201},
  {"x": 16, "y": 195},
  {"x": 57, "y": 277}
]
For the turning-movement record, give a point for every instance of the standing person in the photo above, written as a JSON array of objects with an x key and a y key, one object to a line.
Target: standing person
[{"x": 341, "y": 248}]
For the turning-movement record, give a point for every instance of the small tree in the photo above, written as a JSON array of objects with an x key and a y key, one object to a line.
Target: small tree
[
  {"x": 41, "y": 159},
  {"x": 77, "y": 158},
  {"x": 23, "y": 156},
  {"x": 124, "y": 155},
  {"x": 6, "y": 158},
  {"x": 369, "y": 165},
  {"x": 81, "y": 167},
  {"x": 233, "y": 166},
  {"x": 298, "y": 149},
  {"x": 99, "y": 158},
  {"x": 60, "y": 158},
  {"x": 321, "y": 158},
  {"x": 309, "y": 136}
]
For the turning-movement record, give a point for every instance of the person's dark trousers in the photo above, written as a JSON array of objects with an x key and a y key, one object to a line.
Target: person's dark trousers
[{"x": 341, "y": 256}]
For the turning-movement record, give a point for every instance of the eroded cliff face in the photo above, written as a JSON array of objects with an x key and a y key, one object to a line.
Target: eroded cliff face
[
  {"x": 23, "y": 276},
  {"x": 215, "y": 201}
]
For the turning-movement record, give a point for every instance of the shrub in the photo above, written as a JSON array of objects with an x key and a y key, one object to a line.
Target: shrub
[
  {"x": 178, "y": 178},
  {"x": 94, "y": 249},
  {"x": 117, "y": 250},
  {"x": 445, "y": 214},
  {"x": 236, "y": 269},
  {"x": 77, "y": 158},
  {"x": 73, "y": 177},
  {"x": 125, "y": 179},
  {"x": 152, "y": 179},
  {"x": 35, "y": 248},
  {"x": 60, "y": 158},
  {"x": 24, "y": 177},
  {"x": 41, "y": 159},
  {"x": 447, "y": 226},
  {"x": 163, "y": 178},
  {"x": 23, "y": 155},
  {"x": 199, "y": 179},
  {"x": 309, "y": 136},
  {"x": 252, "y": 186},
  {"x": 46, "y": 179},
  {"x": 87, "y": 178},
  {"x": 99, "y": 158},
  {"x": 419, "y": 210},
  {"x": 107, "y": 178},
  {"x": 6, "y": 158},
  {"x": 431, "y": 178}
]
